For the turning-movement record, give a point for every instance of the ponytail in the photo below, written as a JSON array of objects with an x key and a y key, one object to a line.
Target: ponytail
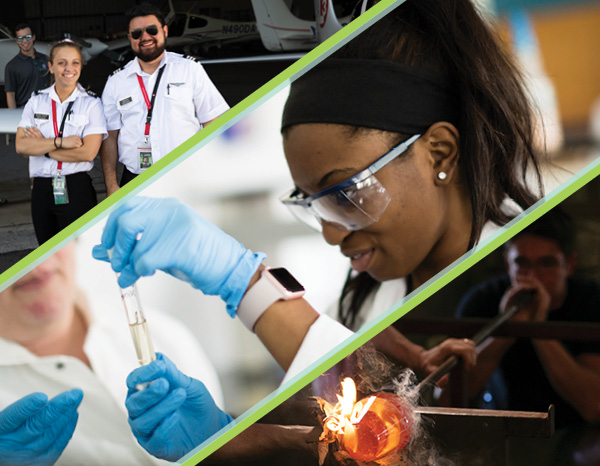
[{"x": 495, "y": 124}]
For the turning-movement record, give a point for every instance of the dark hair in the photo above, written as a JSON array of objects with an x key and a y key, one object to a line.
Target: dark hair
[
  {"x": 20, "y": 26},
  {"x": 145, "y": 9},
  {"x": 556, "y": 225},
  {"x": 495, "y": 123}
]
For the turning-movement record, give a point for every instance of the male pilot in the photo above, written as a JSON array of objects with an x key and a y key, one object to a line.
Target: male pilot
[{"x": 155, "y": 102}]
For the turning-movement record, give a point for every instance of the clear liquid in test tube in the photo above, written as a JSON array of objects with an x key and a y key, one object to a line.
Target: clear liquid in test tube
[{"x": 138, "y": 325}]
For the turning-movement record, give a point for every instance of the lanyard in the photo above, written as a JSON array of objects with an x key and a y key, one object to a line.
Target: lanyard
[
  {"x": 150, "y": 103},
  {"x": 58, "y": 133}
]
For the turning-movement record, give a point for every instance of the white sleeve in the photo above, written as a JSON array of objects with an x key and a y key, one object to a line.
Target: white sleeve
[
  {"x": 208, "y": 101},
  {"x": 27, "y": 115},
  {"x": 109, "y": 102},
  {"x": 322, "y": 337},
  {"x": 96, "y": 121}
]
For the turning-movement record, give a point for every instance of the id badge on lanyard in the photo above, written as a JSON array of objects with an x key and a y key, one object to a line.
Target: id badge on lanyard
[
  {"x": 144, "y": 151},
  {"x": 59, "y": 189},
  {"x": 59, "y": 182},
  {"x": 144, "y": 148}
]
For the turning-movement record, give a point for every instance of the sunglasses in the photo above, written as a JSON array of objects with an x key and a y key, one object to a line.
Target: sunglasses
[
  {"x": 27, "y": 37},
  {"x": 137, "y": 33}
]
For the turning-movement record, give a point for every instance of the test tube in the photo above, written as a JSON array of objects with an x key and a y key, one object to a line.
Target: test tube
[{"x": 137, "y": 323}]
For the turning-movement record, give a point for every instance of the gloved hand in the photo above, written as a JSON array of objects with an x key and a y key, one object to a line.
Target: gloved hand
[
  {"x": 176, "y": 240},
  {"x": 172, "y": 415},
  {"x": 35, "y": 431}
]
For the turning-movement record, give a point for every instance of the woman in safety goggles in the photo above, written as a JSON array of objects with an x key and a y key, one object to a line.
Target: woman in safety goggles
[{"x": 406, "y": 147}]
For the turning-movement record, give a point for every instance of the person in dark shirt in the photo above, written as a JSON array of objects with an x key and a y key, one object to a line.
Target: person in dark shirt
[
  {"x": 27, "y": 72},
  {"x": 528, "y": 374}
]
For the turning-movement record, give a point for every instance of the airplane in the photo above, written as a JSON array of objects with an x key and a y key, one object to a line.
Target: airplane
[
  {"x": 196, "y": 34},
  {"x": 278, "y": 28},
  {"x": 9, "y": 48},
  {"x": 286, "y": 25}
]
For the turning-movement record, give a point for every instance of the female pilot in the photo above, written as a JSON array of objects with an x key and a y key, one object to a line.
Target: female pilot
[{"x": 60, "y": 131}]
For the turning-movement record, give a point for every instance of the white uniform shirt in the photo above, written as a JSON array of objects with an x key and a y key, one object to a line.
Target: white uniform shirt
[
  {"x": 86, "y": 117},
  {"x": 185, "y": 99},
  {"x": 102, "y": 436}
]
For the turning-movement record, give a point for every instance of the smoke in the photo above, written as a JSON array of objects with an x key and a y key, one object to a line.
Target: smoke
[{"x": 373, "y": 372}]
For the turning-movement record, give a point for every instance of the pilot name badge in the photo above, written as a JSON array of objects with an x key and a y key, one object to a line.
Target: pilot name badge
[
  {"x": 59, "y": 189},
  {"x": 145, "y": 152}
]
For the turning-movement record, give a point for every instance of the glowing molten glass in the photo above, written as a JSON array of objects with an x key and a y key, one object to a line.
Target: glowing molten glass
[{"x": 373, "y": 428}]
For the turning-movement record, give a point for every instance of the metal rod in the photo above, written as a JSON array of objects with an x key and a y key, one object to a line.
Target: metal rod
[{"x": 518, "y": 301}]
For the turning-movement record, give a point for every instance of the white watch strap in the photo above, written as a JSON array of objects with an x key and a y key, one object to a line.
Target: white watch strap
[{"x": 256, "y": 301}]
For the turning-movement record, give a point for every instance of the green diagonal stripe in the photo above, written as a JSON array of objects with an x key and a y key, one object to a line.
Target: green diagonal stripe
[
  {"x": 385, "y": 320},
  {"x": 192, "y": 145}
]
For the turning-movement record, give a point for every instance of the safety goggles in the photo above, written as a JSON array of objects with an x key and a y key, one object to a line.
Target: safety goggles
[
  {"x": 353, "y": 204},
  {"x": 27, "y": 37},
  {"x": 137, "y": 33}
]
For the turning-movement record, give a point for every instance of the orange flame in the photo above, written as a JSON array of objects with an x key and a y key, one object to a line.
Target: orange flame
[{"x": 370, "y": 429}]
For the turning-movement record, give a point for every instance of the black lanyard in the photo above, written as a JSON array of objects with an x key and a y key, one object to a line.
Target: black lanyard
[
  {"x": 150, "y": 102},
  {"x": 59, "y": 132}
]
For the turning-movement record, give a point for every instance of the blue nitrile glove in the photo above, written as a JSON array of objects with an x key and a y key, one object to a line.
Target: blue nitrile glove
[
  {"x": 172, "y": 415},
  {"x": 35, "y": 431},
  {"x": 176, "y": 240}
]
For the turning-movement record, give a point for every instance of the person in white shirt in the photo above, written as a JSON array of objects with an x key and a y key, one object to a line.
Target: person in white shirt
[
  {"x": 154, "y": 103},
  {"x": 54, "y": 343},
  {"x": 60, "y": 131}
]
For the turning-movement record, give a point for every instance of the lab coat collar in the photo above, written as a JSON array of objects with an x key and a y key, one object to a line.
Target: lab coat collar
[{"x": 13, "y": 354}]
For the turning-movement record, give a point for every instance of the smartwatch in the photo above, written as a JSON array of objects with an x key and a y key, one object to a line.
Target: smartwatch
[{"x": 274, "y": 284}]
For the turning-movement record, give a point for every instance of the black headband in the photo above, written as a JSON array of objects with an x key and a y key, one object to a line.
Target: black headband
[{"x": 370, "y": 93}]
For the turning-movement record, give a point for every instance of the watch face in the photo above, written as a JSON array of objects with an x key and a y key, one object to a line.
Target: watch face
[{"x": 286, "y": 279}]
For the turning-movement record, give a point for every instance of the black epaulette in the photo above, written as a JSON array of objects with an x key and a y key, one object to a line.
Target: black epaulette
[
  {"x": 116, "y": 71},
  {"x": 191, "y": 57},
  {"x": 92, "y": 94},
  {"x": 37, "y": 92}
]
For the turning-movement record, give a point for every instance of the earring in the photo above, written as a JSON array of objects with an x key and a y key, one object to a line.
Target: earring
[{"x": 442, "y": 176}]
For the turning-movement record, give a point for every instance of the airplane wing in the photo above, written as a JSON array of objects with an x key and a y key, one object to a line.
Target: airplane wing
[{"x": 9, "y": 120}]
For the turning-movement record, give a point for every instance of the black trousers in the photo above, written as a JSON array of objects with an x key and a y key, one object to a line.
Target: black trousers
[
  {"x": 49, "y": 218},
  {"x": 126, "y": 177}
]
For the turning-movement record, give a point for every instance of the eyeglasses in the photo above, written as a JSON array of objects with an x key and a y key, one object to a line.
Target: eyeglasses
[
  {"x": 137, "y": 33},
  {"x": 27, "y": 37},
  {"x": 545, "y": 263},
  {"x": 353, "y": 204}
]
